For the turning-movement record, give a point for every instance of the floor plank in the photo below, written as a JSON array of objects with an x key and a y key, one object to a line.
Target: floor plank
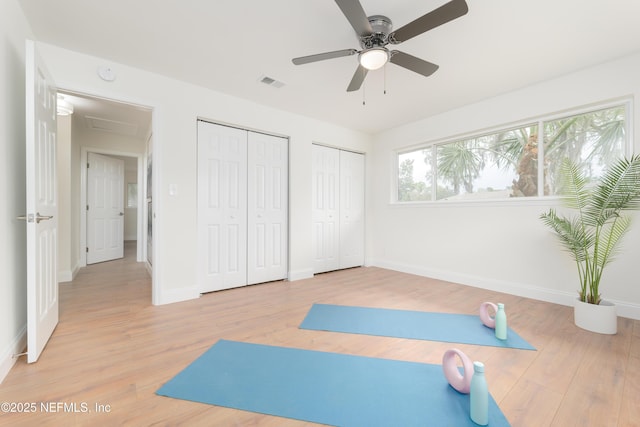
[{"x": 112, "y": 349}]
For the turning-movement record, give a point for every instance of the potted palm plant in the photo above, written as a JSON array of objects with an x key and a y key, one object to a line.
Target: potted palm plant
[{"x": 592, "y": 236}]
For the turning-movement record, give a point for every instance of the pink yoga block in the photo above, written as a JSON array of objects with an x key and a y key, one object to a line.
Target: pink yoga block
[
  {"x": 461, "y": 383},
  {"x": 486, "y": 319}
]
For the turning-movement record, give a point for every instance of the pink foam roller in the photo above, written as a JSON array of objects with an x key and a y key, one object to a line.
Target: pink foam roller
[
  {"x": 486, "y": 319},
  {"x": 461, "y": 383}
]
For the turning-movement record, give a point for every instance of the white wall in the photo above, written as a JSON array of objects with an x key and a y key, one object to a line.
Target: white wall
[
  {"x": 176, "y": 106},
  {"x": 500, "y": 246},
  {"x": 13, "y": 263}
]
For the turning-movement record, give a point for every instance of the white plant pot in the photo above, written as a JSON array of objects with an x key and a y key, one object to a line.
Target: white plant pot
[{"x": 601, "y": 318}]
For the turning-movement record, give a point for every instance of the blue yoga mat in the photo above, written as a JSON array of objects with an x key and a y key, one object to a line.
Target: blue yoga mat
[
  {"x": 327, "y": 388},
  {"x": 447, "y": 327}
]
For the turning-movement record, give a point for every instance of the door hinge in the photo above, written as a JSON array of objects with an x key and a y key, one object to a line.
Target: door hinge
[
  {"x": 87, "y": 250},
  {"x": 88, "y": 165},
  {"x": 87, "y": 207}
]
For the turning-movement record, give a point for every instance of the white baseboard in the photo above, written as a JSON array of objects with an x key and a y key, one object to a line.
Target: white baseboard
[
  {"x": 76, "y": 270},
  {"x": 65, "y": 276},
  {"x": 8, "y": 360},
  {"x": 68, "y": 275},
  {"x": 300, "y": 274},
  {"x": 177, "y": 295},
  {"x": 625, "y": 309}
]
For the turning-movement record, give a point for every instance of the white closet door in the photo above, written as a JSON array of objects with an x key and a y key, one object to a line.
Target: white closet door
[
  {"x": 222, "y": 207},
  {"x": 325, "y": 193},
  {"x": 351, "y": 209},
  {"x": 267, "y": 208}
]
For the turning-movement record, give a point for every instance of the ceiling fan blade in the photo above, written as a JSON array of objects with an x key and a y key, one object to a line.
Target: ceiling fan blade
[
  {"x": 412, "y": 63},
  {"x": 353, "y": 11},
  {"x": 323, "y": 56},
  {"x": 358, "y": 78},
  {"x": 445, "y": 13}
]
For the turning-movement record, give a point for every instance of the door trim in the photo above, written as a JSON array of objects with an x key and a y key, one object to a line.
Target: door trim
[{"x": 157, "y": 297}]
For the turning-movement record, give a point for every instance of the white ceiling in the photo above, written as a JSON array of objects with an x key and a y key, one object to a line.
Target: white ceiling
[
  {"x": 102, "y": 115},
  {"x": 499, "y": 46}
]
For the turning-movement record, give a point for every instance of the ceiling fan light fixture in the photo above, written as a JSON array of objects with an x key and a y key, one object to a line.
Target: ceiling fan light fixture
[
  {"x": 373, "y": 59},
  {"x": 375, "y": 32}
]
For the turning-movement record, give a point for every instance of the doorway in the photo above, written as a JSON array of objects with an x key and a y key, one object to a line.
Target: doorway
[{"x": 115, "y": 130}]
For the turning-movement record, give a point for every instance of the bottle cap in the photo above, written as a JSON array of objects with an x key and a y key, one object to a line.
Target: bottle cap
[
  {"x": 500, "y": 305},
  {"x": 478, "y": 367}
]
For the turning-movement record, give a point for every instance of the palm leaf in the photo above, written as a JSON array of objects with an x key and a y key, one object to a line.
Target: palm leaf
[
  {"x": 617, "y": 190},
  {"x": 575, "y": 194},
  {"x": 570, "y": 233},
  {"x": 610, "y": 238}
]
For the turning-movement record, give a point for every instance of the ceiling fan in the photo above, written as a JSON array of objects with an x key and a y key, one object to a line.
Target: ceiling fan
[{"x": 375, "y": 33}]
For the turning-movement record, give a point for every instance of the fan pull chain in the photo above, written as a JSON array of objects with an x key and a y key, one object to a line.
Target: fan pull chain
[
  {"x": 364, "y": 90},
  {"x": 384, "y": 89}
]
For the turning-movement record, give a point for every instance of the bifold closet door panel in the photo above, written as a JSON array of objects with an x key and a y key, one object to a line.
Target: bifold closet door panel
[
  {"x": 351, "y": 209},
  {"x": 267, "y": 226},
  {"x": 222, "y": 207},
  {"x": 326, "y": 214}
]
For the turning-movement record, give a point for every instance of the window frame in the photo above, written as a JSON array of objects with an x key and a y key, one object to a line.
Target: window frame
[{"x": 539, "y": 121}]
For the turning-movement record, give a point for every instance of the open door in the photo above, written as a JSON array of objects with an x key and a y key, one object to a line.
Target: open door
[{"x": 42, "y": 209}]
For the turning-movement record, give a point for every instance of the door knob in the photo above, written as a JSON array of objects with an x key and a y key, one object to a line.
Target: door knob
[{"x": 42, "y": 217}]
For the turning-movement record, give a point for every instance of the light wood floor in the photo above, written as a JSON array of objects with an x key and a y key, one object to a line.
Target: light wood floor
[{"x": 112, "y": 347}]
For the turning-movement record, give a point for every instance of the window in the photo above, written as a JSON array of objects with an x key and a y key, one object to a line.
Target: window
[
  {"x": 506, "y": 163},
  {"x": 132, "y": 195},
  {"x": 414, "y": 176},
  {"x": 593, "y": 140}
]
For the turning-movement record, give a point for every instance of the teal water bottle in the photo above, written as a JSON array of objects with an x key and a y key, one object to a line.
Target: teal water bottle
[
  {"x": 501, "y": 323},
  {"x": 479, "y": 396}
]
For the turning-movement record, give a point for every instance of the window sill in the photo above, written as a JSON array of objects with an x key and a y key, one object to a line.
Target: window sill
[{"x": 549, "y": 201}]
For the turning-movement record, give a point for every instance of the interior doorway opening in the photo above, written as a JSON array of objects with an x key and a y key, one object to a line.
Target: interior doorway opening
[{"x": 116, "y": 130}]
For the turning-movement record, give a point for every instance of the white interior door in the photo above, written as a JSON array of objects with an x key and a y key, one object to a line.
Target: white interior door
[
  {"x": 105, "y": 208},
  {"x": 325, "y": 194},
  {"x": 351, "y": 209},
  {"x": 222, "y": 207},
  {"x": 42, "y": 210},
  {"x": 267, "y": 217}
]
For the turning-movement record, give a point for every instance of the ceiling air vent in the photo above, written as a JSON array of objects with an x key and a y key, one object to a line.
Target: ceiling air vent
[
  {"x": 271, "y": 82},
  {"x": 114, "y": 126}
]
